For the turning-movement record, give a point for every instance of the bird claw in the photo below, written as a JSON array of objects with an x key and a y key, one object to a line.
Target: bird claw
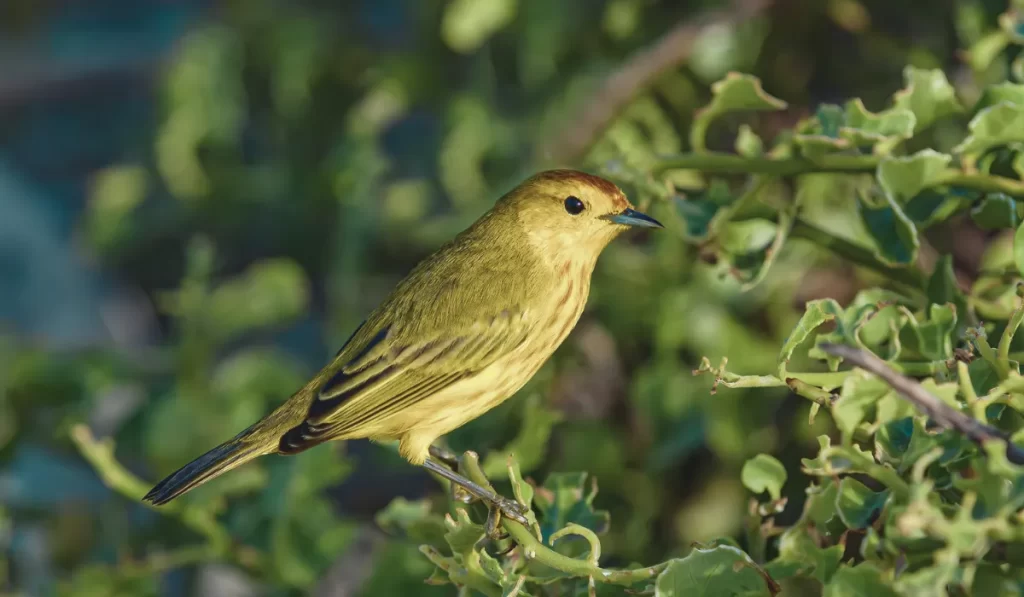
[{"x": 512, "y": 510}]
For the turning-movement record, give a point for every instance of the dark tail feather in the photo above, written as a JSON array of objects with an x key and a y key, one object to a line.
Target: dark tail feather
[{"x": 212, "y": 464}]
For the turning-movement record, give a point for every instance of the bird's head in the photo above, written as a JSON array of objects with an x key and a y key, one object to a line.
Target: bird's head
[{"x": 566, "y": 210}]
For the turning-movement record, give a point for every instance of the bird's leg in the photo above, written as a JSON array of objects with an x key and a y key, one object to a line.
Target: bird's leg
[
  {"x": 456, "y": 492},
  {"x": 509, "y": 508},
  {"x": 446, "y": 456}
]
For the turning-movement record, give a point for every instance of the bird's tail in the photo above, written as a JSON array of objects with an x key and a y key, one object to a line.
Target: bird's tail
[{"x": 212, "y": 464}]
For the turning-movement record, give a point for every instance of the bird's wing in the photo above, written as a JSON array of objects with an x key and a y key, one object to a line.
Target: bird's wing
[{"x": 388, "y": 374}]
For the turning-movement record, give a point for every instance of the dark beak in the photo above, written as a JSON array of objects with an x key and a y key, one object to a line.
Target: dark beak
[{"x": 631, "y": 217}]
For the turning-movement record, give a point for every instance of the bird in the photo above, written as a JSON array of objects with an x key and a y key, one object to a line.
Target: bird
[{"x": 460, "y": 334}]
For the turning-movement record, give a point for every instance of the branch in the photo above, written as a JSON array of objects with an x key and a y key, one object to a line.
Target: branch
[
  {"x": 717, "y": 162},
  {"x": 569, "y": 143},
  {"x": 908, "y": 278},
  {"x": 926, "y": 402},
  {"x": 534, "y": 549},
  {"x": 713, "y": 162}
]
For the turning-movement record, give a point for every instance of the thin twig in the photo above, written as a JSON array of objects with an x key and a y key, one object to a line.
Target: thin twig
[
  {"x": 924, "y": 400},
  {"x": 714, "y": 162},
  {"x": 534, "y": 548},
  {"x": 639, "y": 72}
]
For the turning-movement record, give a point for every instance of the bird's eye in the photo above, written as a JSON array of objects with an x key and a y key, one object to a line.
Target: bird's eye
[{"x": 573, "y": 205}]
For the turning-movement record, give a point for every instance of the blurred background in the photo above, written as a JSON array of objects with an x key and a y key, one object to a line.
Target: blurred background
[{"x": 201, "y": 199}]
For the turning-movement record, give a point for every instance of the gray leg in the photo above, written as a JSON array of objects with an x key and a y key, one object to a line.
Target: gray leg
[
  {"x": 509, "y": 508},
  {"x": 446, "y": 456}
]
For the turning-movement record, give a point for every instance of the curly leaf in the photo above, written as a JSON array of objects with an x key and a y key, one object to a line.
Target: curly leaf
[
  {"x": 895, "y": 236},
  {"x": 856, "y": 504},
  {"x": 995, "y": 212},
  {"x": 858, "y": 581},
  {"x": 764, "y": 473},
  {"x": 992, "y": 127},
  {"x": 884, "y": 129},
  {"x": 735, "y": 93},
  {"x": 928, "y": 94},
  {"x": 723, "y": 571},
  {"x": 815, "y": 313},
  {"x": 740, "y": 92},
  {"x": 904, "y": 178}
]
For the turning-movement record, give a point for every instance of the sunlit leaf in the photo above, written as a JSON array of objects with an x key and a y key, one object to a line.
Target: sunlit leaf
[
  {"x": 928, "y": 94},
  {"x": 903, "y": 178},
  {"x": 996, "y": 211},
  {"x": 864, "y": 128},
  {"x": 764, "y": 473},
  {"x": 863, "y": 580},
  {"x": 467, "y": 24},
  {"x": 997, "y": 125},
  {"x": 723, "y": 571}
]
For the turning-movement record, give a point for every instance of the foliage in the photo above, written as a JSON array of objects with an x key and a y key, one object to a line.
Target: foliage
[{"x": 291, "y": 179}]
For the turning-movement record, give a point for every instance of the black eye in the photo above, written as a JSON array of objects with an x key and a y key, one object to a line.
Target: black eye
[{"x": 573, "y": 205}]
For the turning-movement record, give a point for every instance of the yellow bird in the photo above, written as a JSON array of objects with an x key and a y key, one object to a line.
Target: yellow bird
[{"x": 468, "y": 327}]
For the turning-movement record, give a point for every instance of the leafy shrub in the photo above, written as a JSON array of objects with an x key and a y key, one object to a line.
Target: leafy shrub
[
  {"x": 903, "y": 503},
  {"x": 270, "y": 143}
]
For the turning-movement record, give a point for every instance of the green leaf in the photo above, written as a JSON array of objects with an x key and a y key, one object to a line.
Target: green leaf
[
  {"x": 921, "y": 442},
  {"x": 943, "y": 287},
  {"x": 863, "y": 127},
  {"x": 995, "y": 212},
  {"x": 829, "y": 119},
  {"x": 750, "y": 247},
  {"x": 819, "y": 136},
  {"x": 814, "y": 147},
  {"x": 1012, "y": 93},
  {"x": 992, "y": 127},
  {"x": 816, "y": 313},
  {"x": 935, "y": 204},
  {"x": 894, "y": 234},
  {"x": 930, "y": 340},
  {"x": 860, "y": 392},
  {"x": 699, "y": 209},
  {"x": 928, "y": 94},
  {"x": 467, "y": 24},
  {"x": 903, "y": 178},
  {"x": 563, "y": 499},
  {"x": 1018, "y": 249},
  {"x": 858, "y": 581},
  {"x": 1012, "y": 23},
  {"x": 984, "y": 376},
  {"x": 462, "y": 534},
  {"x": 856, "y": 504},
  {"x": 797, "y": 547},
  {"x": 820, "y": 507},
  {"x": 739, "y": 92},
  {"x": 764, "y": 473},
  {"x": 748, "y": 144},
  {"x": 723, "y": 571},
  {"x": 984, "y": 51}
]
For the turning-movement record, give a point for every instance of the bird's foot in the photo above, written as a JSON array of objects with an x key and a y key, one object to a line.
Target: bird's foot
[
  {"x": 497, "y": 505},
  {"x": 510, "y": 509}
]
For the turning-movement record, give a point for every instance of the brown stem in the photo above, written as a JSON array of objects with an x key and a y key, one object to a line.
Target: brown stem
[
  {"x": 569, "y": 143},
  {"x": 924, "y": 400}
]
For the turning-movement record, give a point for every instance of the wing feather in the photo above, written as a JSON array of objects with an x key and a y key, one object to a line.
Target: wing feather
[{"x": 382, "y": 378}]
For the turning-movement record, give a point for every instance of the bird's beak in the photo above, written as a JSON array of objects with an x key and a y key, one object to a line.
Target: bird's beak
[{"x": 631, "y": 217}]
